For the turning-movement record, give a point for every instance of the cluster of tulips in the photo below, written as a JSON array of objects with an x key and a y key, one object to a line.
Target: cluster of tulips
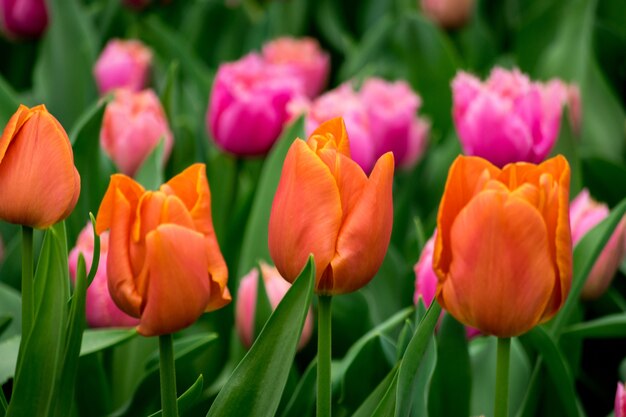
[{"x": 500, "y": 260}]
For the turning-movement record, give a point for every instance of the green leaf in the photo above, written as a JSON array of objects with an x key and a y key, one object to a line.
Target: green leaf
[
  {"x": 256, "y": 385},
  {"x": 63, "y": 75},
  {"x": 188, "y": 398},
  {"x": 424, "y": 380},
  {"x": 42, "y": 353},
  {"x": 254, "y": 246},
  {"x": 585, "y": 254},
  {"x": 303, "y": 398},
  {"x": 5, "y": 321},
  {"x": 558, "y": 370},
  {"x": 96, "y": 340},
  {"x": 10, "y": 305},
  {"x": 168, "y": 93},
  {"x": 610, "y": 326},
  {"x": 600, "y": 175},
  {"x": 150, "y": 173},
  {"x": 8, "y": 101},
  {"x": 9, "y": 349},
  {"x": 369, "y": 406},
  {"x": 262, "y": 307}
]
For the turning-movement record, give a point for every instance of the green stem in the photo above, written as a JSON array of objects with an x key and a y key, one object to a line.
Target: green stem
[
  {"x": 168, "y": 377},
  {"x": 28, "y": 296},
  {"x": 323, "y": 356},
  {"x": 501, "y": 407}
]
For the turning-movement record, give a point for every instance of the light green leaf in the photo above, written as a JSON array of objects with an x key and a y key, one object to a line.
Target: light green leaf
[
  {"x": 610, "y": 326},
  {"x": 8, "y": 352},
  {"x": 10, "y": 305},
  {"x": 95, "y": 340},
  {"x": 256, "y": 385},
  {"x": 150, "y": 173}
]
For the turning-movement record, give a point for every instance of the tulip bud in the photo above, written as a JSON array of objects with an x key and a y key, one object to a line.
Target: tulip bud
[
  {"x": 585, "y": 213},
  {"x": 248, "y": 105},
  {"x": 507, "y": 118},
  {"x": 39, "y": 183},
  {"x": 123, "y": 64},
  {"x": 132, "y": 127},
  {"x": 275, "y": 288},
  {"x": 23, "y": 18},
  {"x": 449, "y": 14},
  {"x": 503, "y": 251},
  {"x": 301, "y": 57},
  {"x": 100, "y": 309},
  {"x": 164, "y": 264},
  {"x": 324, "y": 205},
  {"x": 620, "y": 401}
]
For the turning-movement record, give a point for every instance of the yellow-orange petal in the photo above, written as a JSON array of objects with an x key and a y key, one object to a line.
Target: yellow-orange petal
[
  {"x": 37, "y": 173},
  {"x": 178, "y": 288},
  {"x": 121, "y": 281},
  {"x": 365, "y": 233},
  {"x": 129, "y": 188},
  {"x": 331, "y": 134},
  {"x": 501, "y": 275},
  {"x": 218, "y": 275},
  {"x": 192, "y": 187},
  {"x": 16, "y": 121},
  {"x": 466, "y": 176},
  {"x": 306, "y": 213}
]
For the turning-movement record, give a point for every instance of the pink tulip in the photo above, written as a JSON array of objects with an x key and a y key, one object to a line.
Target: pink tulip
[
  {"x": 585, "y": 213},
  {"x": 248, "y": 105},
  {"x": 23, "y": 18},
  {"x": 301, "y": 57},
  {"x": 101, "y": 311},
  {"x": 620, "y": 401},
  {"x": 507, "y": 118},
  {"x": 133, "y": 125},
  {"x": 426, "y": 281},
  {"x": 276, "y": 287},
  {"x": 392, "y": 109},
  {"x": 448, "y": 14},
  {"x": 123, "y": 64}
]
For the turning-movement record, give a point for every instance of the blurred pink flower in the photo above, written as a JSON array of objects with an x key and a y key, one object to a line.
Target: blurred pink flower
[
  {"x": 426, "y": 281},
  {"x": 101, "y": 311},
  {"x": 507, "y": 118},
  {"x": 132, "y": 126},
  {"x": 381, "y": 117},
  {"x": 23, "y": 18},
  {"x": 586, "y": 213},
  {"x": 301, "y": 57},
  {"x": 276, "y": 287},
  {"x": 123, "y": 64},
  {"x": 620, "y": 401},
  {"x": 448, "y": 14},
  {"x": 248, "y": 105}
]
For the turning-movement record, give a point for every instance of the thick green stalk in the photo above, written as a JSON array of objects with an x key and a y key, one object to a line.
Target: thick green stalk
[
  {"x": 28, "y": 295},
  {"x": 324, "y": 356},
  {"x": 501, "y": 407},
  {"x": 168, "y": 377}
]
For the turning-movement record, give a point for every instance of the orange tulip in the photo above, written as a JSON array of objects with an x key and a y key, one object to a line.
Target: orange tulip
[
  {"x": 164, "y": 266},
  {"x": 503, "y": 254},
  {"x": 39, "y": 183},
  {"x": 326, "y": 205}
]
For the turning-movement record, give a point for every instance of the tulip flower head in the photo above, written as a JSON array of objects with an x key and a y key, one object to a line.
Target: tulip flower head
[
  {"x": 275, "y": 288},
  {"x": 586, "y": 213},
  {"x": 164, "y": 264},
  {"x": 132, "y": 127},
  {"x": 100, "y": 309},
  {"x": 39, "y": 183},
  {"x": 326, "y": 205},
  {"x": 449, "y": 14},
  {"x": 620, "y": 401},
  {"x": 507, "y": 118},
  {"x": 123, "y": 64},
  {"x": 503, "y": 251},
  {"x": 23, "y": 18},
  {"x": 301, "y": 57},
  {"x": 248, "y": 105}
]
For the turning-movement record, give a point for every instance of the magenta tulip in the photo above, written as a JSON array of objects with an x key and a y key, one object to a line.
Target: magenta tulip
[{"x": 123, "y": 64}]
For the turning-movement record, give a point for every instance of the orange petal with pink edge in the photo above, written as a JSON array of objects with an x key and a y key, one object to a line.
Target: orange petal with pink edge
[
  {"x": 178, "y": 289},
  {"x": 501, "y": 276},
  {"x": 330, "y": 134},
  {"x": 306, "y": 213},
  {"x": 366, "y": 229},
  {"x": 38, "y": 180},
  {"x": 466, "y": 177},
  {"x": 129, "y": 188}
]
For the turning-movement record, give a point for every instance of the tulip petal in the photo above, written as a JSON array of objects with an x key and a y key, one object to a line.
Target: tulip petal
[
  {"x": 501, "y": 263},
  {"x": 331, "y": 133},
  {"x": 173, "y": 303},
  {"x": 218, "y": 274},
  {"x": 306, "y": 213},
  {"x": 129, "y": 188},
  {"x": 39, "y": 160},
  {"x": 362, "y": 242},
  {"x": 463, "y": 183}
]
